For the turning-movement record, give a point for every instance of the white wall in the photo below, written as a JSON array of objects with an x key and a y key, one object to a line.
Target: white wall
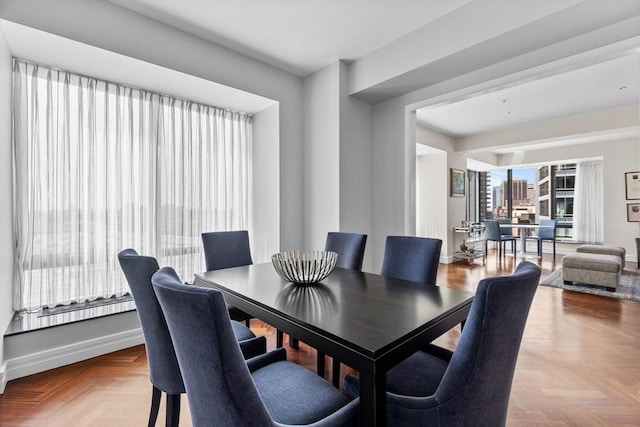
[
  {"x": 431, "y": 199},
  {"x": 321, "y": 162},
  {"x": 337, "y": 159},
  {"x": 355, "y": 166},
  {"x": 265, "y": 215},
  {"x": 6, "y": 221}
]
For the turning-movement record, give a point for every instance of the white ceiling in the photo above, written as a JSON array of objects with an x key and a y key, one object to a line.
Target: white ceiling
[
  {"x": 307, "y": 35},
  {"x": 602, "y": 86},
  {"x": 300, "y": 36}
]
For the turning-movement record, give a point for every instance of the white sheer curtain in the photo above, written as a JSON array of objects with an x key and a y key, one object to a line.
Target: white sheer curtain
[
  {"x": 588, "y": 213},
  {"x": 204, "y": 178},
  {"x": 99, "y": 167}
]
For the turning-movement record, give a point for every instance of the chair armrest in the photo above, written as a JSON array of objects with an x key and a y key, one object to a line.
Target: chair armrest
[
  {"x": 253, "y": 347},
  {"x": 263, "y": 360}
]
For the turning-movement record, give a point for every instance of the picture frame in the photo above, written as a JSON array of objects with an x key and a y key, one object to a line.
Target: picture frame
[
  {"x": 633, "y": 212},
  {"x": 632, "y": 185},
  {"x": 457, "y": 182}
]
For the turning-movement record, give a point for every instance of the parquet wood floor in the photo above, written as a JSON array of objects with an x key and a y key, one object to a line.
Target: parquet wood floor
[{"x": 579, "y": 365}]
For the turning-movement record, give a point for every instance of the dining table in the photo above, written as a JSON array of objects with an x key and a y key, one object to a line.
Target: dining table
[{"x": 366, "y": 321}]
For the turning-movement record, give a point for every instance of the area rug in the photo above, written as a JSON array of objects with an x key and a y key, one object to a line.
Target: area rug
[{"x": 629, "y": 287}]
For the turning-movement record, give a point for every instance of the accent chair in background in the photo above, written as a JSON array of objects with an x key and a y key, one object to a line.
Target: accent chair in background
[
  {"x": 547, "y": 231},
  {"x": 223, "y": 390},
  {"x": 493, "y": 233}
]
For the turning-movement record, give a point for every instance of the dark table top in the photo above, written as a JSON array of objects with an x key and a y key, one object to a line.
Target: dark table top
[{"x": 362, "y": 310}]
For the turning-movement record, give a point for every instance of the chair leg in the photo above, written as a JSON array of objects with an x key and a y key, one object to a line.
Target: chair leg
[
  {"x": 294, "y": 342},
  {"x": 248, "y": 323},
  {"x": 335, "y": 375},
  {"x": 173, "y": 410},
  {"x": 540, "y": 248},
  {"x": 155, "y": 406},
  {"x": 320, "y": 364}
]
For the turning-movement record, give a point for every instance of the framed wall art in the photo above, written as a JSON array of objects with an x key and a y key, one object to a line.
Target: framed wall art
[
  {"x": 456, "y": 182},
  {"x": 632, "y": 185},
  {"x": 633, "y": 212}
]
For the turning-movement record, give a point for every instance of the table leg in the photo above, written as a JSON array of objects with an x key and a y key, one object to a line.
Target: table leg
[
  {"x": 521, "y": 253},
  {"x": 373, "y": 398}
]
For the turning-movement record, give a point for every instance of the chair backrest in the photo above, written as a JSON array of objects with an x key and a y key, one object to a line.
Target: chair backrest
[
  {"x": 219, "y": 386},
  {"x": 505, "y": 231},
  {"x": 548, "y": 229},
  {"x": 226, "y": 249},
  {"x": 164, "y": 372},
  {"x": 411, "y": 258},
  {"x": 350, "y": 248},
  {"x": 477, "y": 382},
  {"x": 492, "y": 230}
]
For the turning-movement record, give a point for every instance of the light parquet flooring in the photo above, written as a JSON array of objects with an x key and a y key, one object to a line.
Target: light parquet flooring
[{"x": 579, "y": 365}]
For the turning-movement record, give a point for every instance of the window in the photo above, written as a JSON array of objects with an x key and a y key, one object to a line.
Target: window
[
  {"x": 100, "y": 167},
  {"x": 544, "y": 192}
]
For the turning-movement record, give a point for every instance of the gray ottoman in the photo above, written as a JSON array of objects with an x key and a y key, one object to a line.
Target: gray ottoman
[
  {"x": 592, "y": 269},
  {"x": 618, "y": 251}
]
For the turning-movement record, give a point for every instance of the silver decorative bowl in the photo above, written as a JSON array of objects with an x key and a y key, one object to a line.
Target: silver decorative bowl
[{"x": 304, "y": 267}]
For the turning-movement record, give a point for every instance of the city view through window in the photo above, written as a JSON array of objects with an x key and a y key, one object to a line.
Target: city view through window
[{"x": 525, "y": 195}]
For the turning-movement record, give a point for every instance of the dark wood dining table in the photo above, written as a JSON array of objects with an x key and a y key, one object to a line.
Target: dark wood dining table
[{"x": 369, "y": 322}]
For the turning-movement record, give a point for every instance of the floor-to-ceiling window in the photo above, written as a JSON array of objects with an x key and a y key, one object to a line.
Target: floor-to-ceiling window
[
  {"x": 100, "y": 167},
  {"x": 525, "y": 195}
]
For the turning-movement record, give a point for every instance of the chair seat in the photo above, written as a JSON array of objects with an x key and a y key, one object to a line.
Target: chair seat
[
  {"x": 241, "y": 332},
  {"x": 303, "y": 398},
  {"x": 402, "y": 379}
]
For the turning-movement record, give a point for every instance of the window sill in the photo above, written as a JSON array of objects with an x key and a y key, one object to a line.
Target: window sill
[{"x": 26, "y": 322}]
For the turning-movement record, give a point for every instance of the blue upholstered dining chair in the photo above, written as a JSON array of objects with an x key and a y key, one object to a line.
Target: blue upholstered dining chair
[
  {"x": 471, "y": 386},
  {"x": 411, "y": 258},
  {"x": 349, "y": 247},
  {"x": 163, "y": 365},
  {"x": 493, "y": 233},
  {"x": 547, "y": 231},
  {"x": 223, "y": 390},
  {"x": 226, "y": 249}
]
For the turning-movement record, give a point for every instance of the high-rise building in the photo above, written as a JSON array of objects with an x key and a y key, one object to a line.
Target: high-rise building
[{"x": 556, "y": 186}]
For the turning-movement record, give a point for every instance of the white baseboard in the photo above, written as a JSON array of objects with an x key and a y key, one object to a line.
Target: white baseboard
[
  {"x": 54, "y": 358},
  {"x": 3, "y": 377}
]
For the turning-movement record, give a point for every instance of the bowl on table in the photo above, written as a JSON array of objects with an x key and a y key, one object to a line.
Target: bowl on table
[{"x": 304, "y": 267}]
